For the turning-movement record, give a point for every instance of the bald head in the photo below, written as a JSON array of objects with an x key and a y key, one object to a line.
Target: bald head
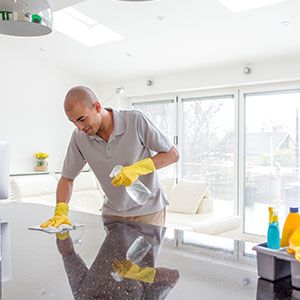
[{"x": 79, "y": 94}]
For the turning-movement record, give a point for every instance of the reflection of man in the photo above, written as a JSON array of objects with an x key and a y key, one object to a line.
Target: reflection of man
[
  {"x": 105, "y": 138},
  {"x": 98, "y": 282}
]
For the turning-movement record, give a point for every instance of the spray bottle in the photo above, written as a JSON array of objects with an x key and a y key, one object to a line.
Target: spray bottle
[
  {"x": 273, "y": 239},
  {"x": 137, "y": 191}
]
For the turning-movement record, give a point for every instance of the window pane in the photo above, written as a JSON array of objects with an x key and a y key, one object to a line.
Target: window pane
[
  {"x": 162, "y": 114},
  {"x": 272, "y": 157},
  {"x": 208, "y": 148}
]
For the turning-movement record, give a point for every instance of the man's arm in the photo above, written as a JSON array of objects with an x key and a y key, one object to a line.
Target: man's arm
[
  {"x": 163, "y": 159},
  {"x": 154, "y": 140},
  {"x": 63, "y": 196},
  {"x": 75, "y": 267},
  {"x": 65, "y": 247},
  {"x": 129, "y": 174},
  {"x": 64, "y": 190}
]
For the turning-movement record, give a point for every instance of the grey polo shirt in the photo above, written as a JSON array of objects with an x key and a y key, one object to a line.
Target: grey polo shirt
[{"x": 133, "y": 138}]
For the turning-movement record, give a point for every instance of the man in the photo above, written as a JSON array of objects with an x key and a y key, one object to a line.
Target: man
[{"x": 105, "y": 138}]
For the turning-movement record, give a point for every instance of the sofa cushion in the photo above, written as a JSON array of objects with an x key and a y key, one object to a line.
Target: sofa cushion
[
  {"x": 208, "y": 223},
  {"x": 186, "y": 196},
  {"x": 48, "y": 200},
  {"x": 218, "y": 225},
  {"x": 83, "y": 201},
  {"x": 33, "y": 185},
  {"x": 206, "y": 204}
]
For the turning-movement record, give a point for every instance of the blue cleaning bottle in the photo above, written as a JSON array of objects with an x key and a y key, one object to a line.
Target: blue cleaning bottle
[{"x": 273, "y": 240}]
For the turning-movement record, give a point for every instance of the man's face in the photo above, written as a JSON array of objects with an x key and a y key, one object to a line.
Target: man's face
[{"x": 85, "y": 118}]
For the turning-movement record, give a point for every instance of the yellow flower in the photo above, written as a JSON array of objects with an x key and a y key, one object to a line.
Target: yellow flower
[{"x": 41, "y": 155}]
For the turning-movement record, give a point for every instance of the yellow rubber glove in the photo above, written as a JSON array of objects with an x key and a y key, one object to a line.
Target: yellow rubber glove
[
  {"x": 60, "y": 216},
  {"x": 129, "y": 174},
  {"x": 294, "y": 244},
  {"x": 128, "y": 269},
  {"x": 62, "y": 236}
]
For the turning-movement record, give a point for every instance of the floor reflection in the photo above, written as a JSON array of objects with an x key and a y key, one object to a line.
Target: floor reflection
[{"x": 125, "y": 266}]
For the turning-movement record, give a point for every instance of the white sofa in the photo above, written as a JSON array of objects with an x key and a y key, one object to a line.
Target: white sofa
[
  {"x": 40, "y": 189},
  {"x": 191, "y": 204},
  {"x": 191, "y": 207}
]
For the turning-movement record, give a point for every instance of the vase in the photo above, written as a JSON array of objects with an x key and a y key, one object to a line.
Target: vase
[{"x": 41, "y": 165}]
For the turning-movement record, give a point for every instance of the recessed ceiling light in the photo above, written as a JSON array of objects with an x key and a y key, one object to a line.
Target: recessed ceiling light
[
  {"x": 285, "y": 23},
  {"x": 82, "y": 28},
  {"x": 241, "y": 5},
  {"x": 160, "y": 18}
]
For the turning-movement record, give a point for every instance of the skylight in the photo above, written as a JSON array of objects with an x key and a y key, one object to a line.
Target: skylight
[
  {"x": 241, "y": 5},
  {"x": 82, "y": 28}
]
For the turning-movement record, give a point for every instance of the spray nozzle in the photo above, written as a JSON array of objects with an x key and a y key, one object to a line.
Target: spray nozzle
[{"x": 115, "y": 171}]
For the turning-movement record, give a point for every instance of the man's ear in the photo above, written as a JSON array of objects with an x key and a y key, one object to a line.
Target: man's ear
[{"x": 98, "y": 106}]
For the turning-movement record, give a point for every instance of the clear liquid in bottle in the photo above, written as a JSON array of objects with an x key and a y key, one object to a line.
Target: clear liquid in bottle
[
  {"x": 137, "y": 191},
  {"x": 138, "y": 249}
]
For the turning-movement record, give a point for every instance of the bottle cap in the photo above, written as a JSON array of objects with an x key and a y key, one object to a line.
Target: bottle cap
[{"x": 294, "y": 209}]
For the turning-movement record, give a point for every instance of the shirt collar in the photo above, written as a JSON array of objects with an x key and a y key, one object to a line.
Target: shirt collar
[{"x": 119, "y": 126}]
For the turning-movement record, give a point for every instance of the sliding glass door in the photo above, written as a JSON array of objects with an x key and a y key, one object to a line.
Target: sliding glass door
[
  {"x": 243, "y": 143},
  {"x": 271, "y": 171}
]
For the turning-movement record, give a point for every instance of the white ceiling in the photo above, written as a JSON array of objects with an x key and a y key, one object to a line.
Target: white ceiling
[{"x": 195, "y": 34}]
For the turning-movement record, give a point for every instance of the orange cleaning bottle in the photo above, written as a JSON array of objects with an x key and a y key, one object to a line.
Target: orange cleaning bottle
[
  {"x": 291, "y": 223},
  {"x": 294, "y": 244}
]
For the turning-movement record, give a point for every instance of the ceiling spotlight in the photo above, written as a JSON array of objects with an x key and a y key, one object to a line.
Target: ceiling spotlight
[
  {"x": 285, "y": 23},
  {"x": 128, "y": 54},
  {"x": 247, "y": 70},
  {"x": 120, "y": 90},
  {"x": 25, "y": 17},
  {"x": 160, "y": 18},
  {"x": 149, "y": 82}
]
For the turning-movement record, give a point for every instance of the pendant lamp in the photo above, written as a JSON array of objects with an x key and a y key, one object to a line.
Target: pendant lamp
[{"x": 25, "y": 17}]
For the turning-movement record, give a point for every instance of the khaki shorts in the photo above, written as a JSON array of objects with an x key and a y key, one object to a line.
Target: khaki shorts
[{"x": 157, "y": 218}]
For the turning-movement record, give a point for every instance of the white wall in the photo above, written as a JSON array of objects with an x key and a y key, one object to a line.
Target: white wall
[{"x": 31, "y": 108}]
